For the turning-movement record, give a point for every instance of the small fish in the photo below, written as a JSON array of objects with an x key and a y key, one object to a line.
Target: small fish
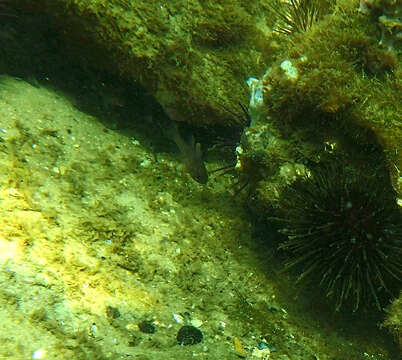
[{"x": 191, "y": 154}]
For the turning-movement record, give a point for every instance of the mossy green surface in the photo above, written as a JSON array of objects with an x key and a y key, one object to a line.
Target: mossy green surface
[
  {"x": 93, "y": 220},
  {"x": 394, "y": 320},
  {"x": 345, "y": 99},
  {"x": 90, "y": 221},
  {"x": 193, "y": 57}
]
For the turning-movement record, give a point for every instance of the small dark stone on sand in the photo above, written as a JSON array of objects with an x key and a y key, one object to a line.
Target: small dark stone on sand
[
  {"x": 112, "y": 312},
  {"x": 147, "y": 327},
  {"x": 189, "y": 335}
]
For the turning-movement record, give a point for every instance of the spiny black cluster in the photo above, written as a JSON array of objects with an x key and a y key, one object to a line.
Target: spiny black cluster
[
  {"x": 295, "y": 15},
  {"x": 344, "y": 232}
]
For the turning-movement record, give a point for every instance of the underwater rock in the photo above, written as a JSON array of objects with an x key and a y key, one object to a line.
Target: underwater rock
[
  {"x": 393, "y": 321},
  {"x": 331, "y": 92},
  {"x": 239, "y": 349},
  {"x": 112, "y": 312},
  {"x": 189, "y": 335},
  {"x": 331, "y": 95},
  {"x": 147, "y": 327},
  {"x": 191, "y": 59},
  {"x": 389, "y": 17}
]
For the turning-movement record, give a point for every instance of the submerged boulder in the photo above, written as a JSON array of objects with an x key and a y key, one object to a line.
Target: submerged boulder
[{"x": 193, "y": 57}]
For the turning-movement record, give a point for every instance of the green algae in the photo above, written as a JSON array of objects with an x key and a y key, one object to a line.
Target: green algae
[
  {"x": 393, "y": 321},
  {"x": 104, "y": 224},
  {"x": 345, "y": 96},
  {"x": 183, "y": 55},
  {"x": 94, "y": 231},
  {"x": 344, "y": 101}
]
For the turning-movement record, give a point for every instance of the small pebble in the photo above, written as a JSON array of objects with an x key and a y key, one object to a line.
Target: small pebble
[
  {"x": 189, "y": 335},
  {"x": 147, "y": 327},
  {"x": 178, "y": 318},
  {"x": 238, "y": 348},
  {"x": 112, "y": 312},
  {"x": 39, "y": 354},
  {"x": 263, "y": 345},
  {"x": 196, "y": 323},
  {"x": 263, "y": 354}
]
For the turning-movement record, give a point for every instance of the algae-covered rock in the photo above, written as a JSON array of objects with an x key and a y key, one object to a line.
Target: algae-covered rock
[
  {"x": 394, "y": 320},
  {"x": 334, "y": 91},
  {"x": 331, "y": 99},
  {"x": 389, "y": 16},
  {"x": 101, "y": 245},
  {"x": 192, "y": 56},
  {"x": 99, "y": 235}
]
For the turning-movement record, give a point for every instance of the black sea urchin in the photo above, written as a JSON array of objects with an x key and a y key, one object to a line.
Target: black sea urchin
[
  {"x": 345, "y": 232},
  {"x": 295, "y": 15}
]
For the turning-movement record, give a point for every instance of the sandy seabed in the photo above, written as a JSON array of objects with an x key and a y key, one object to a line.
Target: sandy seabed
[{"x": 96, "y": 236}]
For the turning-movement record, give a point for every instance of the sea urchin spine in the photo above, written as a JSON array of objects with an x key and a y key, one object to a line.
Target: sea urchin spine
[{"x": 345, "y": 232}]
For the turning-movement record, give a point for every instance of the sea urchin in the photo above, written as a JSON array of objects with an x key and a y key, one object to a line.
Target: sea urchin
[
  {"x": 344, "y": 231},
  {"x": 295, "y": 15}
]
